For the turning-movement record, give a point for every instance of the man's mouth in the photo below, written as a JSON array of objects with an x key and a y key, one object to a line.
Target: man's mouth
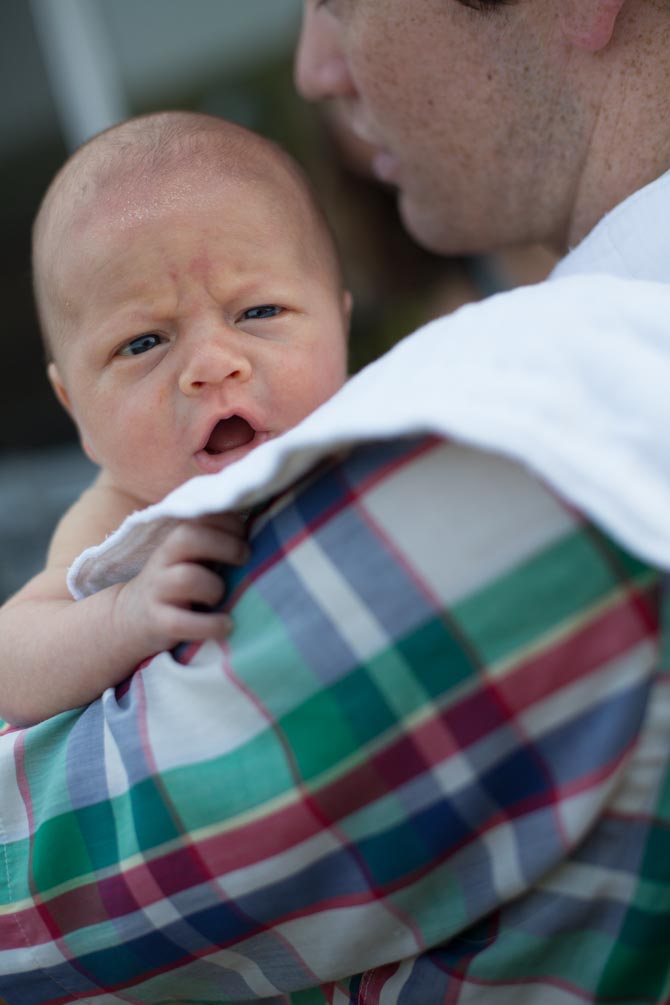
[
  {"x": 383, "y": 164},
  {"x": 385, "y": 167},
  {"x": 228, "y": 434}
]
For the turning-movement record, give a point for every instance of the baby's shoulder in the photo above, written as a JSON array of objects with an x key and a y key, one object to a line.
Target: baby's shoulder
[{"x": 98, "y": 511}]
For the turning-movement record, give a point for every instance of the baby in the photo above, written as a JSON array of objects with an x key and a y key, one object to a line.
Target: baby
[{"x": 192, "y": 307}]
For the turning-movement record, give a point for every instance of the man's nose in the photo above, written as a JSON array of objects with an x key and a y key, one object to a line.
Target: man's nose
[
  {"x": 214, "y": 358},
  {"x": 320, "y": 69}
]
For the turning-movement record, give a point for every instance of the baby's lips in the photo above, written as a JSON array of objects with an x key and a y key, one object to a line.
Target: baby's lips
[{"x": 228, "y": 434}]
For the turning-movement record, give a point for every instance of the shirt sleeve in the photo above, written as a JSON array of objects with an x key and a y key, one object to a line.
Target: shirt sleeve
[{"x": 436, "y": 673}]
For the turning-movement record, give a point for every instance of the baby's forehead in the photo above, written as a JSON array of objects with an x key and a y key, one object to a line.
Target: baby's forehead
[
  {"x": 126, "y": 190},
  {"x": 111, "y": 186}
]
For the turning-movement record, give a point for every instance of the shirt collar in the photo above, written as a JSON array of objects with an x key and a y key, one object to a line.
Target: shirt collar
[{"x": 632, "y": 241}]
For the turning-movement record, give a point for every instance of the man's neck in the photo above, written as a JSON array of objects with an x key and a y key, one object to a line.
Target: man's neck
[{"x": 630, "y": 137}]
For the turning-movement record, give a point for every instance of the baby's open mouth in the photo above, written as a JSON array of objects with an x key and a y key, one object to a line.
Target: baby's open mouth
[{"x": 229, "y": 434}]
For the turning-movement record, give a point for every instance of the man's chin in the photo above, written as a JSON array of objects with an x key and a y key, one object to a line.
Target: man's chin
[{"x": 440, "y": 234}]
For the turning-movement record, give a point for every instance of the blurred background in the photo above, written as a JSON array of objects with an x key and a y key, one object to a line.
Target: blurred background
[{"x": 69, "y": 68}]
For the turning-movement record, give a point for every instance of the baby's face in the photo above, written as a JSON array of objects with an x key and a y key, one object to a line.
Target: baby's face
[{"x": 197, "y": 326}]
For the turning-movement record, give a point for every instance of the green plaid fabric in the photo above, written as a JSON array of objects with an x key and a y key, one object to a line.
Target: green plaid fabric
[{"x": 429, "y": 766}]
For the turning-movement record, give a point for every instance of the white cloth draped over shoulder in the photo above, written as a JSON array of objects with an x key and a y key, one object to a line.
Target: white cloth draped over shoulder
[{"x": 570, "y": 378}]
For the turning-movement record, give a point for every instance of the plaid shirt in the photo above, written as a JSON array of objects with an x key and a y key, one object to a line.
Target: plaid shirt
[{"x": 429, "y": 766}]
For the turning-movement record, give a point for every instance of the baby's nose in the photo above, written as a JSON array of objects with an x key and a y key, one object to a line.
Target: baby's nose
[{"x": 214, "y": 360}]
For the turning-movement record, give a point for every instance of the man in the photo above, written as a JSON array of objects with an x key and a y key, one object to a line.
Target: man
[
  {"x": 499, "y": 123},
  {"x": 431, "y": 764}
]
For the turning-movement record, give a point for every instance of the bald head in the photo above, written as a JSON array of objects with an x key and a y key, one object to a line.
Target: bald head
[{"x": 133, "y": 166}]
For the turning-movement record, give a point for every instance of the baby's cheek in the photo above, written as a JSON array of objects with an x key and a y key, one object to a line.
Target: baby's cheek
[
  {"x": 332, "y": 375},
  {"x": 319, "y": 386}
]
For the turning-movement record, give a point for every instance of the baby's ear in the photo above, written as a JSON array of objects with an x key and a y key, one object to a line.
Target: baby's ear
[
  {"x": 59, "y": 387},
  {"x": 64, "y": 398}
]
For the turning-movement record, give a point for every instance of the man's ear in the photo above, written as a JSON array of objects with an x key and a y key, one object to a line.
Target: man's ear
[
  {"x": 347, "y": 305},
  {"x": 589, "y": 24}
]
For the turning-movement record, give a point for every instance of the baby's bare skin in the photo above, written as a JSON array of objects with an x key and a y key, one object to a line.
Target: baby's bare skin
[
  {"x": 100, "y": 638},
  {"x": 193, "y": 309}
]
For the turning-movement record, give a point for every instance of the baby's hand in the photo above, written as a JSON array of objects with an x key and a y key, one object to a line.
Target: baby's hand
[{"x": 164, "y": 604}]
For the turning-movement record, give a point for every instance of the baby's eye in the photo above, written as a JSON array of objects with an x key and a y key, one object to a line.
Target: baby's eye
[
  {"x": 265, "y": 311},
  {"x": 143, "y": 343}
]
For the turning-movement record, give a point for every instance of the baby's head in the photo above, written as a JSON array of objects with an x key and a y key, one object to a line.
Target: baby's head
[{"x": 190, "y": 297}]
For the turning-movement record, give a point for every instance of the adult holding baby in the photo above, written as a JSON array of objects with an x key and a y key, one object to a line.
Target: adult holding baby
[{"x": 430, "y": 762}]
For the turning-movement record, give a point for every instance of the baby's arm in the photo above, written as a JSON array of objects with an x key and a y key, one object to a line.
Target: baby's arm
[{"x": 60, "y": 654}]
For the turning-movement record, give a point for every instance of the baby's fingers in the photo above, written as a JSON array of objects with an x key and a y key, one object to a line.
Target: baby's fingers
[
  {"x": 228, "y": 522},
  {"x": 193, "y": 626},
  {"x": 189, "y": 583},
  {"x": 195, "y": 542},
  {"x": 207, "y": 626}
]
